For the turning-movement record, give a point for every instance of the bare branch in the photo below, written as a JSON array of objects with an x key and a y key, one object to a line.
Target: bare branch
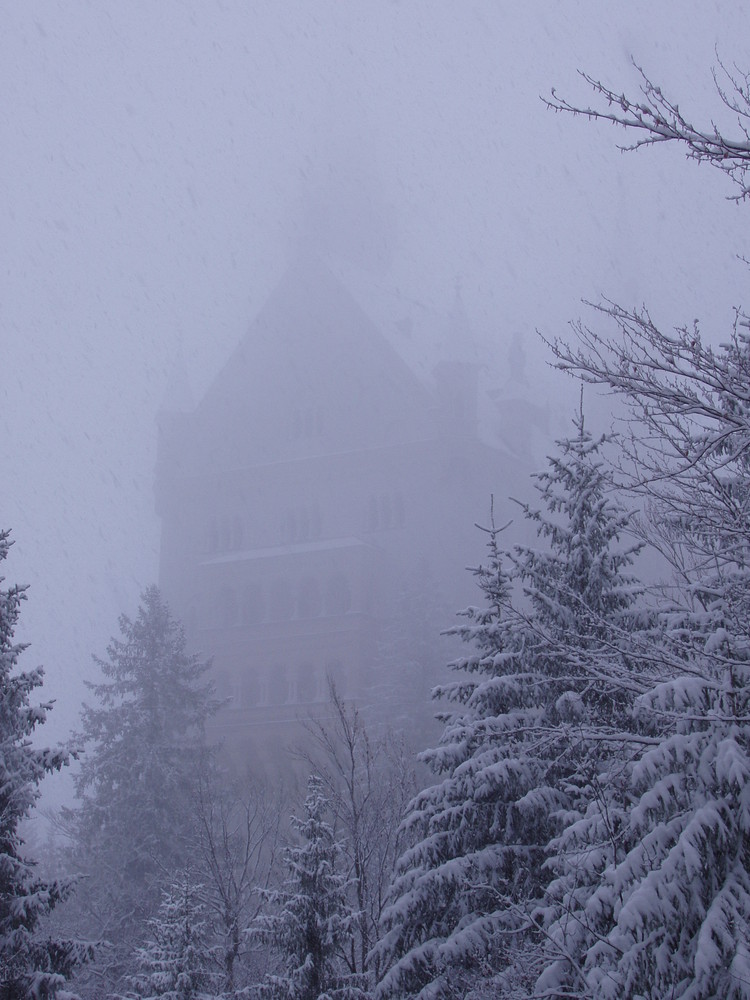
[{"x": 658, "y": 119}]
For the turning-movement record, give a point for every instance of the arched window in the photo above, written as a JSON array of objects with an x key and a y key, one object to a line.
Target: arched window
[
  {"x": 338, "y": 595},
  {"x": 278, "y": 688},
  {"x": 253, "y": 604},
  {"x": 304, "y": 524},
  {"x": 193, "y": 616},
  {"x": 280, "y": 600},
  {"x": 372, "y": 514},
  {"x": 398, "y": 503},
  {"x": 315, "y": 522},
  {"x": 250, "y": 691},
  {"x": 296, "y": 425},
  {"x": 335, "y": 672},
  {"x": 289, "y": 529},
  {"x": 213, "y": 536},
  {"x": 225, "y": 535},
  {"x": 227, "y": 608},
  {"x": 309, "y": 602},
  {"x": 386, "y": 512},
  {"x": 214, "y": 610},
  {"x": 306, "y": 684}
]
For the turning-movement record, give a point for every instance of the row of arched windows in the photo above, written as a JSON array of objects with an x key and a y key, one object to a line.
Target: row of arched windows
[
  {"x": 281, "y": 685},
  {"x": 386, "y": 511},
  {"x": 226, "y": 533},
  {"x": 301, "y": 524},
  {"x": 278, "y": 599}
]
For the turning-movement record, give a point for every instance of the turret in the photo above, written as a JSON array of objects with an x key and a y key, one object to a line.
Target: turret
[
  {"x": 456, "y": 374},
  {"x": 170, "y": 423}
]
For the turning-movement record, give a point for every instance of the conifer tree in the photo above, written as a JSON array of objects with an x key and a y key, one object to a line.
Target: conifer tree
[
  {"x": 143, "y": 739},
  {"x": 31, "y": 965},
  {"x": 670, "y": 916},
  {"x": 312, "y": 927},
  {"x": 176, "y": 961},
  {"x": 671, "y": 913},
  {"x": 522, "y": 741}
]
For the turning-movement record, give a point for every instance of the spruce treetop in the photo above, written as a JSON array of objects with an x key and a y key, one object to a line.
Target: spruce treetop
[{"x": 30, "y": 964}]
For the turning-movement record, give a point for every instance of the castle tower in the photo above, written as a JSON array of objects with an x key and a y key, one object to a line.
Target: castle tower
[{"x": 304, "y": 495}]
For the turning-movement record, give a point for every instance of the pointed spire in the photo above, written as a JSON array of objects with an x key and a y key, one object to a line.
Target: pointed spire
[
  {"x": 516, "y": 371},
  {"x": 458, "y": 341}
]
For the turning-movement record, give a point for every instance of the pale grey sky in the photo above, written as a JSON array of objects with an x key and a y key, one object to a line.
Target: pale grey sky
[{"x": 153, "y": 162}]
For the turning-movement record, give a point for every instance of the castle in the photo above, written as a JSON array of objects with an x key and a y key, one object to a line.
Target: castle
[{"x": 315, "y": 505}]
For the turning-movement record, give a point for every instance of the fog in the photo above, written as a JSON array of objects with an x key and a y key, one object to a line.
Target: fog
[{"x": 164, "y": 164}]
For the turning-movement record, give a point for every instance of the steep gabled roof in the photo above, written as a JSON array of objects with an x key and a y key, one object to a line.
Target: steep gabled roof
[{"x": 312, "y": 375}]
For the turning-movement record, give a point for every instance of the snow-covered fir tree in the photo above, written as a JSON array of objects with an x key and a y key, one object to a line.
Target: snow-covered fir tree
[
  {"x": 177, "y": 961},
  {"x": 143, "y": 740},
  {"x": 671, "y": 914},
  {"x": 651, "y": 898},
  {"x": 312, "y": 926},
  {"x": 521, "y": 743},
  {"x": 31, "y": 964}
]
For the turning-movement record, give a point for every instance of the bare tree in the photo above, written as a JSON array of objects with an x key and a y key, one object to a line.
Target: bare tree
[
  {"x": 237, "y": 832},
  {"x": 656, "y": 119},
  {"x": 688, "y": 446},
  {"x": 368, "y": 783},
  {"x": 687, "y": 449}
]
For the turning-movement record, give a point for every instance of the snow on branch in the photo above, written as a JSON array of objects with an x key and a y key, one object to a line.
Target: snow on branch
[{"x": 659, "y": 119}]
